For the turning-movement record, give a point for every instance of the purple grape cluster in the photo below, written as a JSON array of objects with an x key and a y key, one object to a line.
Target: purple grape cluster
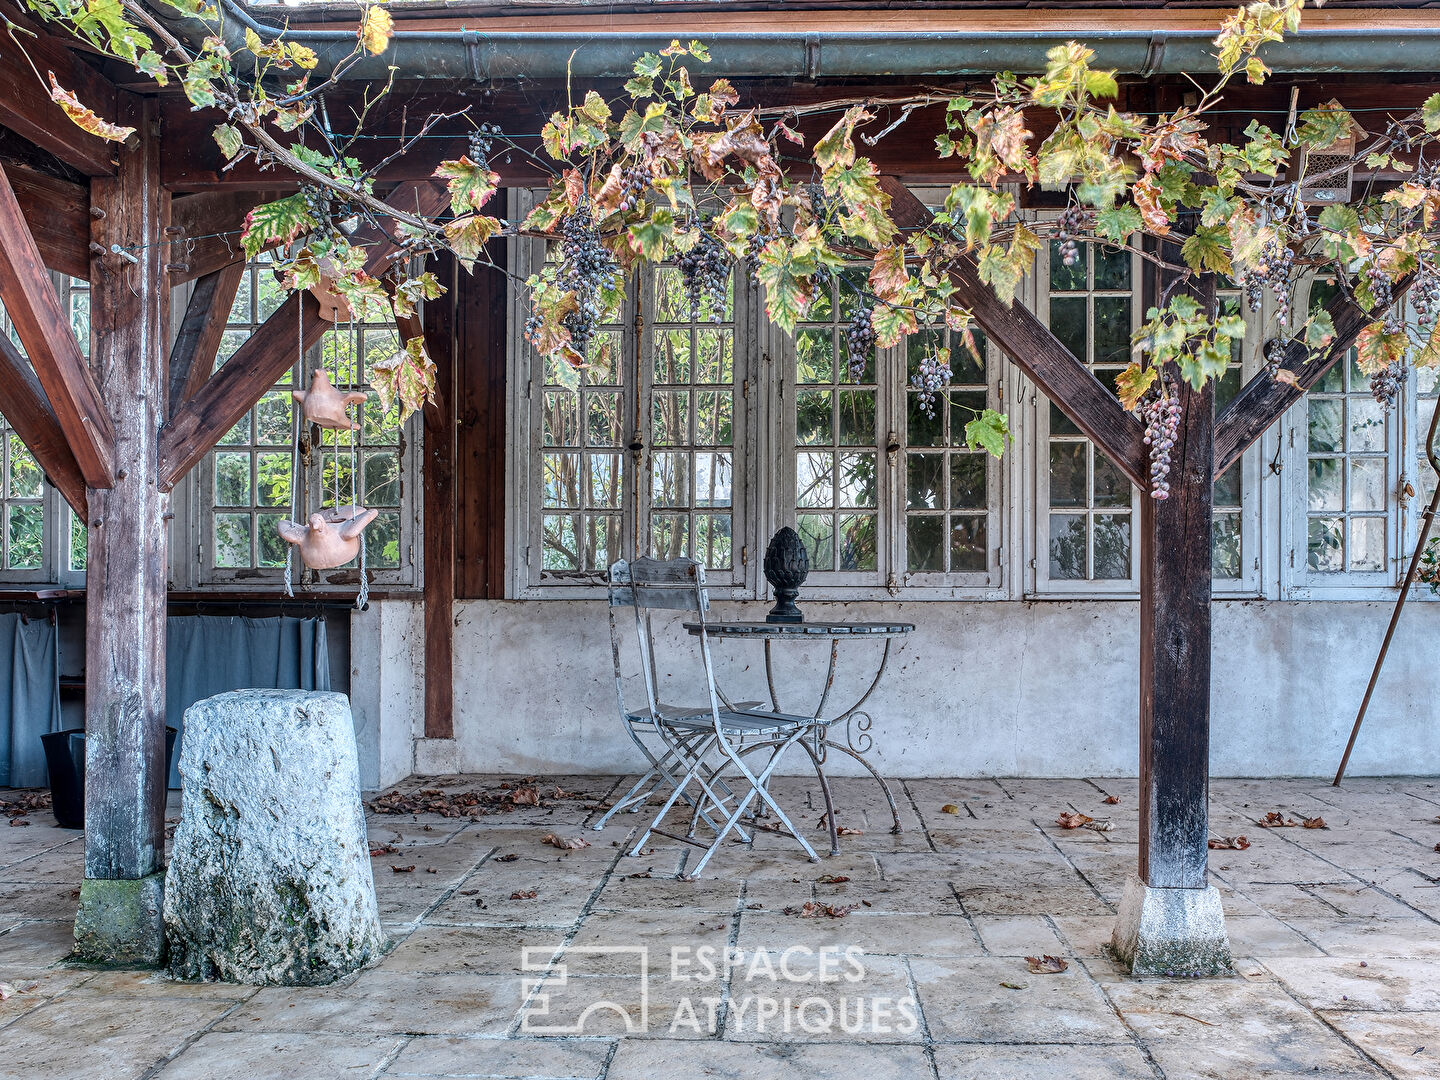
[
  {"x": 931, "y": 378},
  {"x": 1382, "y": 292},
  {"x": 705, "y": 273},
  {"x": 860, "y": 342},
  {"x": 1425, "y": 296},
  {"x": 480, "y": 143},
  {"x": 1072, "y": 222},
  {"x": 589, "y": 267},
  {"x": 1160, "y": 409},
  {"x": 1275, "y": 270},
  {"x": 635, "y": 181},
  {"x": 1385, "y": 384}
]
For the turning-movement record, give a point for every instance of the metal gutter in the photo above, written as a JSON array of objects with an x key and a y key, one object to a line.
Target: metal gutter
[{"x": 481, "y": 56}]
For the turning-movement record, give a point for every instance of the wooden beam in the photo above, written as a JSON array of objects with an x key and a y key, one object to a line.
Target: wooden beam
[
  {"x": 480, "y": 334},
  {"x": 192, "y": 357},
  {"x": 126, "y": 571},
  {"x": 267, "y": 355},
  {"x": 44, "y": 328},
  {"x": 439, "y": 494},
  {"x": 58, "y": 213},
  {"x": 205, "y": 231},
  {"x": 1175, "y": 646},
  {"x": 1061, "y": 377},
  {"x": 1265, "y": 398},
  {"x": 27, "y": 411}
]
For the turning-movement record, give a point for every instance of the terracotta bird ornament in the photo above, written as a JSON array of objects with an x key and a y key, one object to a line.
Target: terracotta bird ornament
[
  {"x": 325, "y": 406},
  {"x": 331, "y": 538}
]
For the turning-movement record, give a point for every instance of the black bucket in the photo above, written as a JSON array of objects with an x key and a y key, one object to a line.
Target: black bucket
[{"x": 65, "y": 758}]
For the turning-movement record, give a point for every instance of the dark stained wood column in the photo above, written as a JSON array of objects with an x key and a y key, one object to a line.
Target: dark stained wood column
[
  {"x": 439, "y": 492},
  {"x": 480, "y": 327},
  {"x": 118, "y": 920},
  {"x": 1175, "y": 649}
]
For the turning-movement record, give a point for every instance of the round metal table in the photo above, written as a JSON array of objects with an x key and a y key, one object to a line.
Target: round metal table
[{"x": 858, "y": 724}]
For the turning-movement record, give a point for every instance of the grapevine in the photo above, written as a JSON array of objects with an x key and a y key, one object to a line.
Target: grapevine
[
  {"x": 1425, "y": 296},
  {"x": 1160, "y": 409},
  {"x": 589, "y": 267},
  {"x": 1073, "y": 220}
]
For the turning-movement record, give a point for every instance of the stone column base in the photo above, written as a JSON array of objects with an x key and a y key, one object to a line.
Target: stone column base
[
  {"x": 1175, "y": 932},
  {"x": 119, "y": 921}
]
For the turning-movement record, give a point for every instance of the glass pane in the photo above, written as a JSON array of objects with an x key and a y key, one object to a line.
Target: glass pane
[
  {"x": 602, "y": 419},
  {"x": 26, "y": 479},
  {"x": 814, "y": 356},
  {"x": 604, "y": 541},
  {"x": 25, "y": 537},
  {"x": 713, "y": 544},
  {"x": 818, "y": 533},
  {"x": 274, "y": 425},
  {"x": 670, "y": 480},
  {"x": 923, "y": 430},
  {"x": 560, "y": 550},
  {"x": 1367, "y": 543},
  {"x": 967, "y": 544},
  {"x": 273, "y": 486},
  {"x": 925, "y": 542},
  {"x": 382, "y": 479},
  {"x": 925, "y": 481},
  {"x": 859, "y": 545},
  {"x": 605, "y": 481},
  {"x": 562, "y": 479},
  {"x": 857, "y": 417},
  {"x": 857, "y": 479},
  {"x": 79, "y": 543},
  {"x": 1112, "y": 268},
  {"x": 716, "y": 350},
  {"x": 1060, "y": 424},
  {"x": 1112, "y": 546},
  {"x": 1227, "y": 487},
  {"x": 268, "y": 540},
  {"x": 668, "y": 535},
  {"x": 1367, "y": 425},
  {"x": 672, "y": 417},
  {"x": 967, "y": 481},
  {"x": 1326, "y": 544},
  {"x": 714, "y": 421},
  {"x": 232, "y": 540},
  {"x": 1067, "y": 474},
  {"x": 714, "y": 477},
  {"x": 671, "y": 302},
  {"x": 1225, "y": 546},
  {"x": 232, "y": 480},
  {"x": 1067, "y": 322},
  {"x": 1067, "y": 546},
  {"x": 1112, "y": 487},
  {"x": 1326, "y": 424},
  {"x": 603, "y": 359},
  {"x": 1112, "y": 329},
  {"x": 812, "y": 418},
  {"x": 561, "y": 418},
  {"x": 1367, "y": 484},
  {"x": 814, "y": 484},
  {"x": 1065, "y": 278},
  {"x": 672, "y": 357},
  {"x": 968, "y": 367},
  {"x": 1327, "y": 484},
  {"x": 382, "y": 542}
]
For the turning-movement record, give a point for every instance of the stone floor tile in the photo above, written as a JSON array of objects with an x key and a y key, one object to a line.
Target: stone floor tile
[
  {"x": 110, "y": 1038},
  {"x": 54, "y": 900},
  {"x": 885, "y": 935},
  {"x": 650, "y": 1059},
  {"x": 981, "y": 1062},
  {"x": 1060, "y": 899},
  {"x": 502, "y": 1059},
  {"x": 1328, "y": 982},
  {"x": 1362, "y": 900},
  {"x": 67, "y": 865},
  {"x": 498, "y": 896},
  {"x": 276, "y": 1056},
  {"x": 1084, "y": 935},
  {"x": 821, "y": 998},
  {"x": 33, "y": 945},
  {"x": 612, "y": 1006},
  {"x": 156, "y": 984},
  {"x": 1264, "y": 936},
  {"x": 966, "y": 1000},
  {"x": 473, "y": 950},
  {"x": 662, "y": 934},
  {"x": 1407, "y": 1045},
  {"x": 624, "y": 892},
  {"x": 1019, "y": 935},
  {"x": 386, "y": 1003},
  {"x": 1232, "y": 1029},
  {"x": 1370, "y": 939},
  {"x": 31, "y": 989}
]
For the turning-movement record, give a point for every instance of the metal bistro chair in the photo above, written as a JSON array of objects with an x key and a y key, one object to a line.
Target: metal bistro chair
[{"x": 699, "y": 744}]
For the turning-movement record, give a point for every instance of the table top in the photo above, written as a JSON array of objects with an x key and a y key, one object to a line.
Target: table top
[{"x": 802, "y": 630}]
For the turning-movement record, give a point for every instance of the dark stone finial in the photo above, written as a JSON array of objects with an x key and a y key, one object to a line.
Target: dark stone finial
[{"x": 786, "y": 565}]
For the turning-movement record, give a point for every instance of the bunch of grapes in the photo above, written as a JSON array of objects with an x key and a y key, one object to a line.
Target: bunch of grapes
[
  {"x": 860, "y": 341},
  {"x": 705, "y": 273},
  {"x": 1425, "y": 296},
  {"x": 635, "y": 181},
  {"x": 754, "y": 244},
  {"x": 1276, "y": 269},
  {"x": 933, "y": 376},
  {"x": 1073, "y": 221},
  {"x": 1274, "y": 356},
  {"x": 1382, "y": 292},
  {"x": 1385, "y": 384},
  {"x": 1160, "y": 409},
  {"x": 588, "y": 267},
  {"x": 482, "y": 139}
]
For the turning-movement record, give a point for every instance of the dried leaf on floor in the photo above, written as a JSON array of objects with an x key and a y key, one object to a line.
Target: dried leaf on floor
[
  {"x": 832, "y": 879},
  {"x": 25, "y": 802},
  {"x": 404, "y": 869},
  {"x": 525, "y": 796},
  {"x": 1013, "y": 986},
  {"x": 18, "y": 823},
  {"x": 1314, "y": 823},
  {"x": 1228, "y": 843},
  {"x": 846, "y": 830},
  {"x": 757, "y": 906},
  {"x": 526, "y": 894},
  {"x": 1099, "y": 826},
  {"x": 1047, "y": 964},
  {"x": 507, "y": 858},
  {"x": 376, "y": 850},
  {"x": 641, "y": 874},
  {"x": 1068, "y": 820},
  {"x": 949, "y": 808},
  {"x": 1276, "y": 820},
  {"x": 564, "y": 843},
  {"x": 6, "y": 991},
  {"x": 1111, "y": 800},
  {"x": 812, "y": 909}
]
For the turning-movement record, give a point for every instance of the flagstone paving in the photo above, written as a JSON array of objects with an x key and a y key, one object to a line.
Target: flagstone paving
[{"x": 615, "y": 969}]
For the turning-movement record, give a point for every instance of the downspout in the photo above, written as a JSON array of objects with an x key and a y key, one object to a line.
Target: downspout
[{"x": 484, "y": 56}]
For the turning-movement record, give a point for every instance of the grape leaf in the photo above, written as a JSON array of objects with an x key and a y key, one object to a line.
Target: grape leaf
[
  {"x": 1204, "y": 249},
  {"x": 467, "y": 236},
  {"x": 470, "y": 185},
  {"x": 84, "y": 117},
  {"x": 1131, "y": 383},
  {"x": 990, "y": 430},
  {"x": 408, "y": 378},
  {"x": 376, "y": 28},
  {"x": 1430, "y": 113},
  {"x": 275, "y": 222},
  {"x": 228, "y": 138}
]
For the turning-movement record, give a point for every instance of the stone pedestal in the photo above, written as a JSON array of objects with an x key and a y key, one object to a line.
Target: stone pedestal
[
  {"x": 269, "y": 879},
  {"x": 1176, "y": 932}
]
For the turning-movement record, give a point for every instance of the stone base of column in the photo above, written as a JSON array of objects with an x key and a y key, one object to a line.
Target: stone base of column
[
  {"x": 1175, "y": 932},
  {"x": 119, "y": 921}
]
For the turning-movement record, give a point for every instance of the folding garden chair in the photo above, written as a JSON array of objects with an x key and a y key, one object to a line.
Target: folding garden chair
[{"x": 701, "y": 744}]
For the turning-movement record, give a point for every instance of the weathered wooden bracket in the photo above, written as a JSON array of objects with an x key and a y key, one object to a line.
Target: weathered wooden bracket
[
  {"x": 192, "y": 357},
  {"x": 35, "y": 311},
  {"x": 205, "y": 231},
  {"x": 1067, "y": 382},
  {"x": 27, "y": 410},
  {"x": 58, "y": 213}
]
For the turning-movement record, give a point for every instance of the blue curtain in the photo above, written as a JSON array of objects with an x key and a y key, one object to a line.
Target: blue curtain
[
  {"x": 210, "y": 654},
  {"x": 29, "y": 698}
]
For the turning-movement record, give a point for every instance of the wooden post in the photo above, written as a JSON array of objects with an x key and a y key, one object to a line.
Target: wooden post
[
  {"x": 119, "y": 917},
  {"x": 439, "y": 490},
  {"x": 480, "y": 431},
  {"x": 1170, "y": 922}
]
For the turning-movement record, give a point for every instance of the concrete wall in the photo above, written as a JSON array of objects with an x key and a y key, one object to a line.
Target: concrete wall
[{"x": 1015, "y": 688}]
